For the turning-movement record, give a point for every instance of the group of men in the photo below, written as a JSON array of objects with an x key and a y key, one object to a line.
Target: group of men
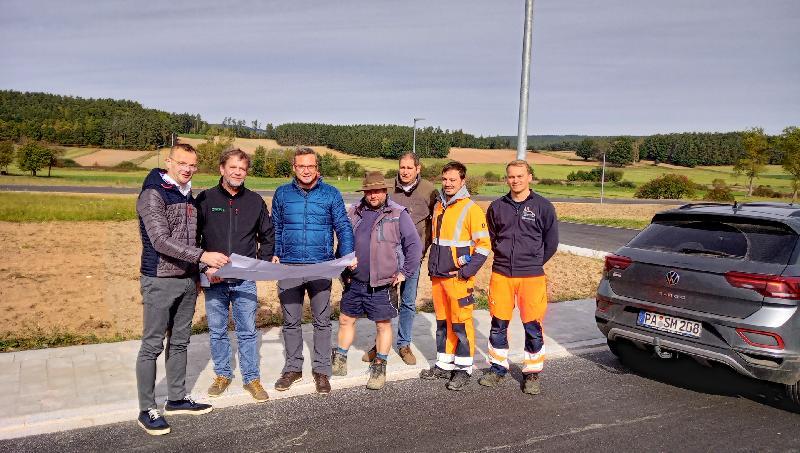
[{"x": 389, "y": 230}]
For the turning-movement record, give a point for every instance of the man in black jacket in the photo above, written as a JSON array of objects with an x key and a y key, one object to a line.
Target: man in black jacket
[
  {"x": 523, "y": 229},
  {"x": 233, "y": 219}
]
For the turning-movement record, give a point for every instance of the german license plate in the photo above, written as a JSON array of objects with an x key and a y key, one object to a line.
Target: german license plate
[{"x": 670, "y": 324}]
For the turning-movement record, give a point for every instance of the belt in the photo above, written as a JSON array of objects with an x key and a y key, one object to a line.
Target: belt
[{"x": 370, "y": 289}]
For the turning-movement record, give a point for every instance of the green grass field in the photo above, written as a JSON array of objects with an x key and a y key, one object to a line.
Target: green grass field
[{"x": 45, "y": 207}]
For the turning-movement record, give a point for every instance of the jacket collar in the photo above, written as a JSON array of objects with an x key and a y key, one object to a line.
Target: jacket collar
[
  {"x": 296, "y": 185},
  {"x": 399, "y": 185},
  {"x": 238, "y": 194},
  {"x": 462, "y": 193},
  {"x": 387, "y": 207},
  {"x": 508, "y": 198}
]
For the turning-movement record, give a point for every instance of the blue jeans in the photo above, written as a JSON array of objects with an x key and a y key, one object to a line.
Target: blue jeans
[
  {"x": 408, "y": 308},
  {"x": 241, "y": 295}
]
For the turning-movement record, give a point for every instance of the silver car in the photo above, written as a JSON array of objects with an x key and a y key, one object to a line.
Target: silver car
[{"x": 717, "y": 282}]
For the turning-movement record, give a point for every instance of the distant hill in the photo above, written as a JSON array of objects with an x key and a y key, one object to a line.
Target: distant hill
[{"x": 76, "y": 121}]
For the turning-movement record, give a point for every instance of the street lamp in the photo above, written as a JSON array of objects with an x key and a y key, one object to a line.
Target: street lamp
[{"x": 414, "y": 143}]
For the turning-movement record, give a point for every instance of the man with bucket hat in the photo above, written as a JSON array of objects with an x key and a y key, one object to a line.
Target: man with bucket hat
[{"x": 388, "y": 249}]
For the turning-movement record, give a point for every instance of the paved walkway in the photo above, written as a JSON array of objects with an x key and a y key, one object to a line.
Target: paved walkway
[{"x": 65, "y": 388}]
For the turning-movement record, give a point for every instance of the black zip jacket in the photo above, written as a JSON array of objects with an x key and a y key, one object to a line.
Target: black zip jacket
[
  {"x": 524, "y": 236},
  {"x": 234, "y": 223}
]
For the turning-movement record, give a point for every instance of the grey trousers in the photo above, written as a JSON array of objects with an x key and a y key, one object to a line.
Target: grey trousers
[
  {"x": 291, "y": 293},
  {"x": 168, "y": 308}
]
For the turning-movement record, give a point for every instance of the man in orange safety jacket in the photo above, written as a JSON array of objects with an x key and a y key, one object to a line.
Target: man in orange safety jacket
[{"x": 460, "y": 247}]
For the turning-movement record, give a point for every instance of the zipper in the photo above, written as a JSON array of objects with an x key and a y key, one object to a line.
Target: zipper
[
  {"x": 230, "y": 224},
  {"x": 514, "y": 241},
  {"x": 439, "y": 235}
]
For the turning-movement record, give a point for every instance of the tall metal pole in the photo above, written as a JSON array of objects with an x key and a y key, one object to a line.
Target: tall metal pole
[
  {"x": 603, "y": 178},
  {"x": 414, "y": 143},
  {"x": 522, "y": 130}
]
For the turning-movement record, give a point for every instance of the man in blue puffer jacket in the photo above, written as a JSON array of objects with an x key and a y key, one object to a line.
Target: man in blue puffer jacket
[{"x": 305, "y": 214}]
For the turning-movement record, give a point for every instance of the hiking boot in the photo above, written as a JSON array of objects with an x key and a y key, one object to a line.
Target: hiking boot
[
  {"x": 219, "y": 385},
  {"x": 256, "y": 390},
  {"x": 186, "y": 406},
  {"x": 491, "y": 379},
  {"x": 377, "y": 375},
  {"x": 370, "y": 355},
  {"x": 531, "y": 384},
  {"x": 435, "y": 373},
  {"x": 287, "y": 379},
  {"x": 339, "y": 364},
  {"x": 153, "y": 423},
  {"x": 322, "y": 383},
  {"x": 459, "y": 380},
  {"x": 407, "y": 355}
]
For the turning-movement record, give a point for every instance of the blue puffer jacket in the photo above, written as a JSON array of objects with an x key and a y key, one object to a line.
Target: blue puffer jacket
[{"x": 305, "y": 222}]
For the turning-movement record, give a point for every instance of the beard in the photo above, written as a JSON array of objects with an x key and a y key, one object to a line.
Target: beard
[{"x": 235, "y": 184}]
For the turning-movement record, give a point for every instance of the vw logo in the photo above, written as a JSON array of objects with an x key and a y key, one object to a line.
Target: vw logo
[{"x": 673, "y": 278}]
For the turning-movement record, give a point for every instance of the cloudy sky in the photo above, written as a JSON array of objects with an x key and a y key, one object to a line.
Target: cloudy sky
[{"x": 599, "y": 67}]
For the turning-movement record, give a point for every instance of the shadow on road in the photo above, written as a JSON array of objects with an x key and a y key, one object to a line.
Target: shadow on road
[{"x": 684, "y": 372}]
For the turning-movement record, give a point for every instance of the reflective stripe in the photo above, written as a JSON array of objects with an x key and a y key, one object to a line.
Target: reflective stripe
[
  {"x": 467, "y": 368},
  {"x": 498, "y": 356},
  {"x": 463, "y": 361},
  {"x": 482, "y": 251},
  {"x": 450, "y": 243},
  {"x": 460, "y": 221},
  {"x": 446, "y": 366},
  {"x": 480, "y": 234},
  {"x": 533, "y": 363},
  {"x": 445, "y": 358}
]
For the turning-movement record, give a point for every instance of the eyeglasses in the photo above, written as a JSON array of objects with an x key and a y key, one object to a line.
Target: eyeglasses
[
  {"x": 184, "y": 165},
  {"x": 305, "y": 167}
]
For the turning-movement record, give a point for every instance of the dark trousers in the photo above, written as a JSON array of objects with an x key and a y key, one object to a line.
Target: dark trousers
[
  {"x": 168, "y": 308},
  {"x": 291, "y": 293}
]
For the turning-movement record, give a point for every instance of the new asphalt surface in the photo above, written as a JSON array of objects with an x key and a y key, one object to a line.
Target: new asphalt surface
[{"x": 589, "y": 402}]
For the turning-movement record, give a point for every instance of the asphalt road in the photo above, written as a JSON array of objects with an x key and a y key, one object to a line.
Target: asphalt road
[
  {"x": 134, "y": 190},
  {"x": 589, "y": 402},
  {"x": 589, "y": 236}
]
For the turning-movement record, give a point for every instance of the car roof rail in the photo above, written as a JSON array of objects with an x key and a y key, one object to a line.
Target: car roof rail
[{"x": 706, "y": 203}]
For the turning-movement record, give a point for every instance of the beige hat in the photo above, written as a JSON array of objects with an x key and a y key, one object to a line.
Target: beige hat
[{"x": 374, "y": 180}]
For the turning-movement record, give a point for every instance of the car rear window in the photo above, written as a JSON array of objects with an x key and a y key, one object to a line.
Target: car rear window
[{"x": 765, "y": 243}]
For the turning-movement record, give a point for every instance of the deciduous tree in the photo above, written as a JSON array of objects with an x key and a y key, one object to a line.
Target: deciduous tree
[
  {"x": 756, "y": 156},
  {"x": 789, "y": 144}
]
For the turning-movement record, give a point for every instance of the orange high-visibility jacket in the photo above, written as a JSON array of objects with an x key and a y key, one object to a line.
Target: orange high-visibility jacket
[{"x": 459, "y": 230}]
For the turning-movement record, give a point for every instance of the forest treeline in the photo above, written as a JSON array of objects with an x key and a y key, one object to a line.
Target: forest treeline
[
  {"x": 388, "y": 141},
  {"x": 67, "y": 120}
]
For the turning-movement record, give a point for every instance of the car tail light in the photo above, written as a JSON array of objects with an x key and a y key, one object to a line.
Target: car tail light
[
  {"x": 761, "y": 339},
  {"x": 603, "y": 303},
  {"x": 775, "y": 286},
  {"x": 617, "y": 262}
]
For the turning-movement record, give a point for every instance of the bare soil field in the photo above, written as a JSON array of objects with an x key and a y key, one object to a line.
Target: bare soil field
[
  {"x": 491, "y": 156},
  {"x": 603, "y": 211},
  {"x": 249, "y": 145},
  {"x": 83, "y": 277},
  {"x": 109, "y": 157}
]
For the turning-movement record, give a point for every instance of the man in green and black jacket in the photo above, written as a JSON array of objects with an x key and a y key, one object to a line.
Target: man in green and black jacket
[{"x": 232, "y": 219}]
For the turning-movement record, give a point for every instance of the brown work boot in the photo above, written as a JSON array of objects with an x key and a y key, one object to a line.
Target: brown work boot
[
  {"x": 256, "y": 390},
  {"x": 287, "y": 379},
  {"x": 370, "y": 355},
  {"x": 322, "y": 383},
  {"x": 338, "y": 364},
  {"x": 435, "y": 373},
  {"x": 407, "y": 355},
  {"x": 377, "y": 375},
  {"x": 531, "y": 384},
  {"x": 218, "y": 386}
]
